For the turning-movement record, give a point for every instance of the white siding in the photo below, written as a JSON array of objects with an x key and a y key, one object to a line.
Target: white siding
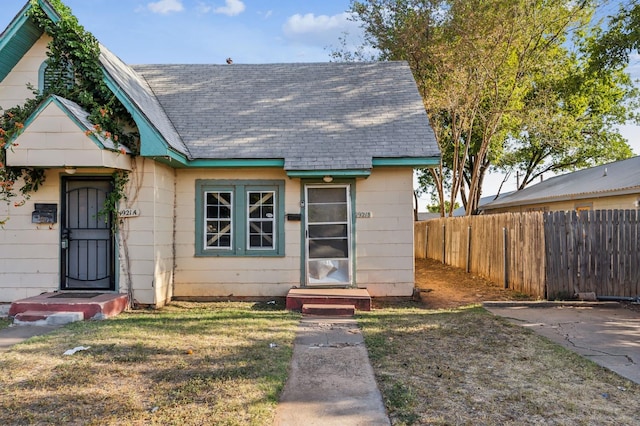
[
  {"x": 384, "y": 242},
  {"x": 30, "y": 253},
  {"x": 146, "y": 241},
  {"x": 234, "y": 276},
  {"x": 13, "y": 89}
]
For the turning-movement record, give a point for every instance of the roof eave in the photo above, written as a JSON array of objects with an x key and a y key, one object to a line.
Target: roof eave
[
  {"x": 415, "y": 162},
  {"x": 20, "y": 35}
]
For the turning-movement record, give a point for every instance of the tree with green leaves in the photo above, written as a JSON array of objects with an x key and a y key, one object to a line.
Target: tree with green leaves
[
  {"x": 621, "y": 37},
  {"x": 570, "y": 119},
  {"x": 489, "y": 74}
]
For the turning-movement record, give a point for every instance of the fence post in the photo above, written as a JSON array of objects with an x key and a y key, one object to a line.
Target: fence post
[
  {"x": 506, "y": 269},
  {"x": 444, "y": 244},
  {"x": 426, "y": 241},
  {"x": 468, "y": 248}
]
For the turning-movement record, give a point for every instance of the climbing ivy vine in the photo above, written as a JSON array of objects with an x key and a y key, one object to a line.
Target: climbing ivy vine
[{"x": 75, "y": 73}]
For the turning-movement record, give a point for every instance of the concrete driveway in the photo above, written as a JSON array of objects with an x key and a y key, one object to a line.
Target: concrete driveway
[{"x": 605, "y": 333}]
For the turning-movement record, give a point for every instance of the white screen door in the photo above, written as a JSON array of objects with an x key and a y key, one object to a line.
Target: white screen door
[{"x": 328, "y": 235}]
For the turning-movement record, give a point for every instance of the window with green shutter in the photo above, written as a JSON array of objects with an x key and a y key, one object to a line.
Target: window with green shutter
[{"x": 239, "y": 218}]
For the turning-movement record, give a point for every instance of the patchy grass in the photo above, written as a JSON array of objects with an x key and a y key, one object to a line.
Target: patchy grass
[
  {"x": 466, "y": 367},
  {"x": 185, "y": 364}
]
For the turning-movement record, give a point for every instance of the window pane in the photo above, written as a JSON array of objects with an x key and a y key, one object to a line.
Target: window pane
[
  {"x": 329, "y": 271},
  {"x": 327, "y": 213},
  {"x": 323, "y": 231},
  {"x": 327, "y": 195},
  {"x": 261, "y": 220},
  {"x": 218, "y": 217},
  {"x": 329, "y": 248}
]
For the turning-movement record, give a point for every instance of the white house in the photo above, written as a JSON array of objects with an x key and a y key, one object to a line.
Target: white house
[{"x": 250, "y": 180}]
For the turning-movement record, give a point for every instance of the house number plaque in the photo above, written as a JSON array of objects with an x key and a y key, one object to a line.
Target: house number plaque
[
  {"x": 364, "y": 215},
  {"x": 130, "y": 212}
]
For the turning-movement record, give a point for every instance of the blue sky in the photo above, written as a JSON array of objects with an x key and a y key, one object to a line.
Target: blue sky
[{"x": 209, "y": 31}]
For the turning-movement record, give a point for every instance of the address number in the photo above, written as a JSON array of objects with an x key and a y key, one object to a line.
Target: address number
[
  {"x": 363, "y": 215},
  {"x": 129, "y": 213}
]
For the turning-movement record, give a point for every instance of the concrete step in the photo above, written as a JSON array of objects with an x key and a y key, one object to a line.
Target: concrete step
[
  {"x": 359, "y": 297},
  {"x": 328, "y": 310},
  {"x": 47, "y": 318}
]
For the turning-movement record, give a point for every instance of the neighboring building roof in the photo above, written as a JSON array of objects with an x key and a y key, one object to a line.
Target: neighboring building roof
[
  {"x": 618, "y": 178},
  {"x": 422, "y": 216},
  {"x": 460, "y": 211},
  {"x": 318, "y": 116}
]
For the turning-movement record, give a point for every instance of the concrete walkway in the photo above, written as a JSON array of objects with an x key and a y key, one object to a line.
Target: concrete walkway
[
  {"x": 331, "y": 380},
  {"x": 605, "y": 333},
  {"x": 15, "y": 334}
]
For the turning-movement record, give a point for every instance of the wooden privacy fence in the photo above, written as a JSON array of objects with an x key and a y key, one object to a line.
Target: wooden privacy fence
[
  {"x": 593, "y": 251},
  {"x": 505, "y": 248},
  {"x": 547, "y": 255}
]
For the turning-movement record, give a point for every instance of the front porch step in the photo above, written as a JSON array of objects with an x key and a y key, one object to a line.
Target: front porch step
[
  {"x": 47, "y": 318},
  {"x": 85, "y": 305},
  {"x": 358, "y": 297},
  {"x": 328, "y": 310}
]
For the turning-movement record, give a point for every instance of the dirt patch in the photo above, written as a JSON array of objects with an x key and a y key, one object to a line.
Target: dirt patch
[
  {"x": 445, "y": 287},
  {"x": 442, "y": 286}
]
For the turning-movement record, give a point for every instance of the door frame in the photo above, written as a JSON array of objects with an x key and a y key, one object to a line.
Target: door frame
[
  {"x": 63, "y": 221},
  {"x": 350, "y": 183}
]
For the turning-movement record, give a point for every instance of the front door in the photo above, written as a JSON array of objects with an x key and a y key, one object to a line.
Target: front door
[
  {"x": 87, "y": 243},
  {"x": 328, "y": 235}
]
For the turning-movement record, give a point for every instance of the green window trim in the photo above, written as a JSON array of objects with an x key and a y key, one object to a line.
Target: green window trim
[{"x": 239, "y": 218}]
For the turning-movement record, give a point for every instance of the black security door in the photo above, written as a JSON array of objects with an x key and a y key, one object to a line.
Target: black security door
[{"x": 87, "y": 243}]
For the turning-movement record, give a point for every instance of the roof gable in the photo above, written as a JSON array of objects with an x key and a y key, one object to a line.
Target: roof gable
[
  {"x": 159, "y": 136},
  {"x": 20, "y": 35},
  {"x": 59, "y": 133}
]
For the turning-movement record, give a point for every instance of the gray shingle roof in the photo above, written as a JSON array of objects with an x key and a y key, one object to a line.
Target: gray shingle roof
[
  {"x": 138, "y": 91},
  {"x": 314, "y": 116},
  {"x": 620, "y": 177}
]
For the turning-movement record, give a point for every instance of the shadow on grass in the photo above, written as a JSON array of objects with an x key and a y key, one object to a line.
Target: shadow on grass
[{"x": 184, "y": 364}]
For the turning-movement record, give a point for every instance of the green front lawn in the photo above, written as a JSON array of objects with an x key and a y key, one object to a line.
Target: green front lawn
[{"x": 186, "y": 364}]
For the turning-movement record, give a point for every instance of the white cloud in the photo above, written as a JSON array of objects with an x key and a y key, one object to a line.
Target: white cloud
[
  {"x": 231, "y": 8},
  {"x": 165, "y": 7},
  {"x": 203, "y": 8},
  {"x": 320, "y": 30}
]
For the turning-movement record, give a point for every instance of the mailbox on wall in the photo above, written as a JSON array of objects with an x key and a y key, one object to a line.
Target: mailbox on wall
[{"x": 45, "y": 213}]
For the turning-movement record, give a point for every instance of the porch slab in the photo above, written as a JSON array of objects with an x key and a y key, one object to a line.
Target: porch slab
[
  {"x": 93, "y": 305},
  {"x": 358, "y": 297}
]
